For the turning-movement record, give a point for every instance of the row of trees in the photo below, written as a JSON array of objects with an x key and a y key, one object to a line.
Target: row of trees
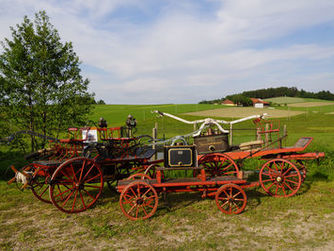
[
  {"x": 240, "y": 99},
  {"x": 272, "y": 92},
  {"x": 41, "y": 86},
  {"x": 243, "y": 98},
  {"x": 288, "y": 91}
]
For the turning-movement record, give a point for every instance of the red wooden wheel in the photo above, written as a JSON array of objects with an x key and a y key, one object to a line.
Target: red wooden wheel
[
  {"x": 280, "y": 178},
  {"x": 151, "y": 171},
  {"x": 40, "y": 185},
  {"x": 38, "y": 182},
  {"x": 76, "y": 185},
  {"x": 139, "y": 176},
  {"x": 139, "y": 200},
  {"x": 218, "y": 164},
  {"x": 231, "y": 199},
  {"x": 302, "y": 169}
]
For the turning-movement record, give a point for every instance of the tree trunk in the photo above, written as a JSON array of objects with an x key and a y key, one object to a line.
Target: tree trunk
[
  {"x": 31, "y": 123},
  {"x": 44, "y": 128}
]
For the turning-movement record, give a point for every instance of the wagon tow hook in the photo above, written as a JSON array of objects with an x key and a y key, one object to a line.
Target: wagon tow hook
[{"x": 20, "y": 177}]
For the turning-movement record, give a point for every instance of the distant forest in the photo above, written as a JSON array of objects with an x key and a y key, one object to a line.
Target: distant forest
[{"x": 273, "y": 93}]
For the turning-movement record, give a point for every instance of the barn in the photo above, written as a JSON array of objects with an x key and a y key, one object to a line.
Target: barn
[
  {"x": 228, "y": 102},
  {"x": 259, "y": 103}
]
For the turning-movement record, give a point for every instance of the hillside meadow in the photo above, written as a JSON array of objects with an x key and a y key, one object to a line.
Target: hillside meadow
[
  {"x": 185, "y": 221},
  {"x": 293, "y": 100}
]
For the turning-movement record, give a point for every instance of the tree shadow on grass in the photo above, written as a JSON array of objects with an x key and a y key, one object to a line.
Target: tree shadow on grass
[
  {"x": 109, "y": 194},
  {"x": 310, "y": 179},
  {"x": 304, "y": 188},
  {"x": 254, "y": 198},
  {"x": 318, "y": 176},
  {"x": 174, "y": 201}
]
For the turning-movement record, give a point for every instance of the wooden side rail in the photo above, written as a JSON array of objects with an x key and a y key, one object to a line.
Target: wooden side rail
[
  {"x": 304, "y": 156},
  {"x": 201, "y": 176},
  {"x": 178, "y": 168}
]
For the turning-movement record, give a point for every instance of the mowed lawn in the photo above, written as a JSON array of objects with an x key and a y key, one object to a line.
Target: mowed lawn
[
  {"x": 116, "y": 115},
  {"x": 311, "y": 104},
  {"x": 292, "y": 100},
  {"x": 240, "y": 112},
  {"x": 185, "y": 221}
]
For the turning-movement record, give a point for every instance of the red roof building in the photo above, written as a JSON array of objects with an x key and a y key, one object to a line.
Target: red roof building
[
  {"x": 227, "y": 102},
  {"x": 258, "y": 100},
  {"x": 259, "y": 103}
]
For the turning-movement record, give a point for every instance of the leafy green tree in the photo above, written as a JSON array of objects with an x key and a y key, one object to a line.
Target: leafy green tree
[
  {"x": 42, "y": 88},
  {"x": 4, "y": 127},
  {"x": 101, "y": 102},
  {"x": 240, "y": 99}
]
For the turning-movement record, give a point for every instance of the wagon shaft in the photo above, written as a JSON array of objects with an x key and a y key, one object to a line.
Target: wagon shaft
[{"x": 23, "y": 178}]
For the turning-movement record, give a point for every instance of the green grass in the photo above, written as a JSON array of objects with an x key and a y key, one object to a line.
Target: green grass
[
  {"x": 185, "y": 221},
  {"x": 292, "y": 100},
  {"x": 117, "y": 114}
]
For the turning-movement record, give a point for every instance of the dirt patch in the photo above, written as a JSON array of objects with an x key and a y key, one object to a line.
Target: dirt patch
[
  {"x": 311, "y": 104},
  {"x": 330, "y": 113},
  {"x": 240, "y": 112}
]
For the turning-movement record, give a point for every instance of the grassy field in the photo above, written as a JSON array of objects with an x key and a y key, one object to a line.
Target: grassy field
[
  {"x": 117, "y": 114},
  {"x": 311, "y": 104},
  {"x": 237, "y": 112},
  {"x": 292, "y": 100},
  {"x": 184, "y": 221}
]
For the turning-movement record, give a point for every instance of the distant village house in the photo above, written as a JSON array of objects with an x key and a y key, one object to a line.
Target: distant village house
[
  {"x": 259, "y": 103},
  {"x": 228, "y": 102}
]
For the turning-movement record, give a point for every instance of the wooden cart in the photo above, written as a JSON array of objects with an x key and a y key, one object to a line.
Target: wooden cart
[
  {"x": 284, "y": 168},
  {"x": 73, "y": 174},
  {"x": 140, "y": 193}
]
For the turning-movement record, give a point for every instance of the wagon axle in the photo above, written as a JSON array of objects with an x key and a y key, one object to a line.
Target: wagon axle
[{"x": 139, "y": 201}]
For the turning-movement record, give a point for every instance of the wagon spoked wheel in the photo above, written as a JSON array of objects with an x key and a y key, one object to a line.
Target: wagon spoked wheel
[
  {"x": 110, "y": 186},
  {"x": 40, "y": 185},
  {"x": 38, "y": 182},
  {"x": 110, "y": 174},
  {"x": 139, "y": 176},
  {"x": 302, "y": 169},
  {"x": 91, "y": 152},
  {"x": 139, "y": 200},
  {"x": 280, "y": 178},
  {"x": 114, "y": 172},
  {"x": 151, "y": 171},
  {"x": 144, "y": 140},
  {"x": 218, "y": 164},
  {"x": 28, "y": 170},
  {"x": 231, "y": 199},
  {"x": 76, "y": 185}
]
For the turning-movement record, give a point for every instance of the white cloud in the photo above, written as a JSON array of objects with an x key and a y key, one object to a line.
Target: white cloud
[
  {"x": 262, "y": 19},
  {"x": 177, "y": 56}
]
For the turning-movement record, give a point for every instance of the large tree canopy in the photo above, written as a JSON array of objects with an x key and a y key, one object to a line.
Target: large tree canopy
[{"x": 41, "y": 86}]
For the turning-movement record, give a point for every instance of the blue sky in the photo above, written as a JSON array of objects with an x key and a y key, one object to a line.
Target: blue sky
[{"x": 151, "y": 51}]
